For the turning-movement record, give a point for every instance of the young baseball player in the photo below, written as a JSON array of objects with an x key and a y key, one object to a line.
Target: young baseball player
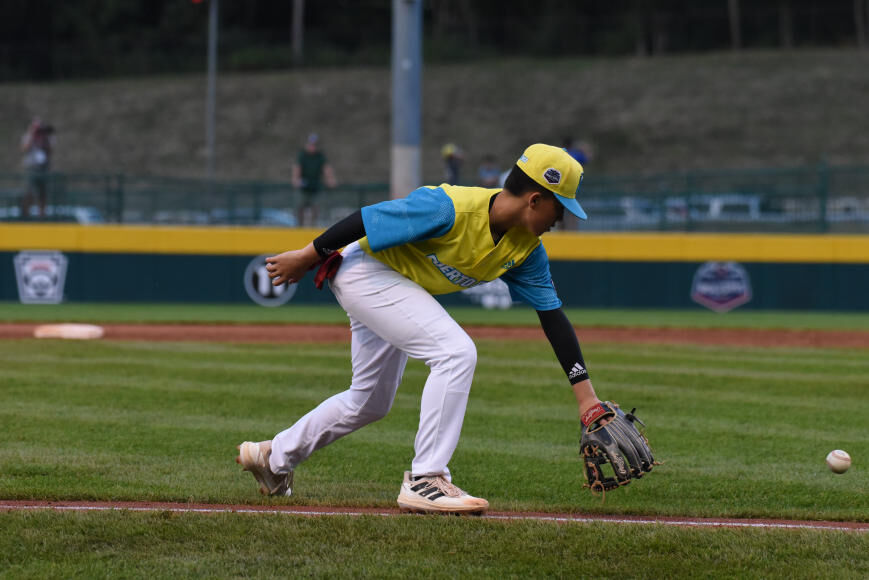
[{"x": 398, "y": 254}]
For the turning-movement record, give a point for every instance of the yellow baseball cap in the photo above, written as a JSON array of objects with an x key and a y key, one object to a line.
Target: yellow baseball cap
[{"x": 554, "y": 169}]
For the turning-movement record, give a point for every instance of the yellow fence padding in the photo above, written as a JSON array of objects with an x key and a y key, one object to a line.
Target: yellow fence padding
[{"x": 591, "y": 246}]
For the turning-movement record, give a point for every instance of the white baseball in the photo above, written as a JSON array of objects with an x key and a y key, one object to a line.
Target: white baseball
[{"x": 838, "y": 461}]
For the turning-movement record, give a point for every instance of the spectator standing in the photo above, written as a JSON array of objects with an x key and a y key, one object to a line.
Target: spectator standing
[
  {"x": 310, "y": 171},
  {"x": 453, "y": 158},
  {"x": 37, "y": 145},
  {"x": 489, "y": 175}
]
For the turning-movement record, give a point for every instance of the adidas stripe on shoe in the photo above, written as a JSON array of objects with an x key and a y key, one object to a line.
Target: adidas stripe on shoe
[
  {"x": 435, "y": 495},
  {"x": 254, "y": 457}
]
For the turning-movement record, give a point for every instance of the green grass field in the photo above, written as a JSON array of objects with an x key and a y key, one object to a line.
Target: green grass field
[
  {"x": 742, "y": 432},
  {"x": 249, "y": 313},
  {"x": 164, "y": 545}
]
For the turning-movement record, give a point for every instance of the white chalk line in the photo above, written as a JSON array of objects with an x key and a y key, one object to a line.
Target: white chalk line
[{"x": 559, "y": 519}]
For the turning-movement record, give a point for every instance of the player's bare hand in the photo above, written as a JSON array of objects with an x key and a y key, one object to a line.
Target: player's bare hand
[
  {"x": 586, "y": 398},
  {"x": 291, "y": 266}
]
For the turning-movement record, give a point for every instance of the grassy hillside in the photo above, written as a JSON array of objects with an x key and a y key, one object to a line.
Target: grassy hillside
[{"x": 642, "y": 115}]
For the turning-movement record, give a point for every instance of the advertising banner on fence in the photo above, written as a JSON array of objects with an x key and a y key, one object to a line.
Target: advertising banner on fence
[
  {"x": 41, "y": 276},
  {"x": 721, "y": 286},
  {"x": 259, "y": 286}
]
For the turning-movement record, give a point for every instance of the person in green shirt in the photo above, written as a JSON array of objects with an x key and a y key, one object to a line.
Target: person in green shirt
[{"x": 310, "y": 171}]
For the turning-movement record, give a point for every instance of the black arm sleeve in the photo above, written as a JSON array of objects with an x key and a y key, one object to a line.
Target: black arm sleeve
[
  {"x": 342, "y": 233},
  {"x": 563, "y": 339}
]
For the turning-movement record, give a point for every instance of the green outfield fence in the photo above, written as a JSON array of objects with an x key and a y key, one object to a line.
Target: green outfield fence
[{"x": 820, "y": 198}]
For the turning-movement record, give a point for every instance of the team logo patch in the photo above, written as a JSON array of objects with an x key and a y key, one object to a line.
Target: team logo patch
[
  {"x": 552, "y": 176},
  {"x": 721, "y": 286},
  {"x": 41, "y": 277},
  {"x": 259, "y": 287}
]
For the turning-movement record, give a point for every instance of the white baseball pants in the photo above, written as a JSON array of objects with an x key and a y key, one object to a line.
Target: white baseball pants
[{"x": 391, "y": 318}]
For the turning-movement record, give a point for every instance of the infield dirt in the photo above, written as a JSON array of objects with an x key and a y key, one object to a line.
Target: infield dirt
[
  {"x": 319, "y": 511},
  {"x": 289, "y": 333}
]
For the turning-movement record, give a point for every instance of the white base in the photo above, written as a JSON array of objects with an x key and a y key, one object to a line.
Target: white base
[{"x": 72, "y": 331}]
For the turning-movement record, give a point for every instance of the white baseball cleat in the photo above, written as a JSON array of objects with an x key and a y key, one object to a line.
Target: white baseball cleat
[
  {"x": 254, "y": 457},
  {"x": 435, "y": 495}
]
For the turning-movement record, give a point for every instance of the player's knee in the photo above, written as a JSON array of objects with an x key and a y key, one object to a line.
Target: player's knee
[
  {"x": 367, "y": 410},
  {"x": 464, "y": 353},
  {"x": 372, "y": 414},
  {"x": 460, "y": 354}
]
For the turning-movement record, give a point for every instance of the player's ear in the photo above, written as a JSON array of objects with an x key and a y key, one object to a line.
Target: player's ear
[{"x": 535, "y": 198}]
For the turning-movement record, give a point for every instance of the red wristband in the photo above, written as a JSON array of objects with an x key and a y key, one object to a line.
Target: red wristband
[{"x": 327, "y": 270}]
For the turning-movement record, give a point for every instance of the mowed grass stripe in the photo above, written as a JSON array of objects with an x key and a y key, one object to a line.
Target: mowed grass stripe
[
  {"x": 733, "y": 354},
  {"x": 696, "y": 368},
  {"x": 831, "y": 360},
  {"x": 807, "y": 400},
  {"x": 117, "y": 352},
  {"x": 184, "y": 382},
  {"x": 621, "y": 360},
  {"x": 125, "y": 544},
  {"x": 255, "y": 354},
  {"x": 180, "y": 384}
]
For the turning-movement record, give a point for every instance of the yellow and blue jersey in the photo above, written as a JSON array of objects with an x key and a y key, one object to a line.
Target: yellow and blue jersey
[{"x": 439, "y": 237}]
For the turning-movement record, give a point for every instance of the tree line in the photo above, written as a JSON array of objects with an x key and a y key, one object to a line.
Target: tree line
[{"x": 51, "y": 40}]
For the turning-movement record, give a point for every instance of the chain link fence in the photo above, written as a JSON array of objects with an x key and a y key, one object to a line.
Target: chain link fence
[
  {"x": 813, "y": 199},
  {"x": 816, "y": 199},
  {"x": 129, "y": 199}
]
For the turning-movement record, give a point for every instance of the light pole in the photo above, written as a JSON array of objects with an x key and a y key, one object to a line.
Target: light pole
[
  {"x": 298, "y": 30},
  {"x": 406, "y": 96},
  {"x": 211, "y": 89}
]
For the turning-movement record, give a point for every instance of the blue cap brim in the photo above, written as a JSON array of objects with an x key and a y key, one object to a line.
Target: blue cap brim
[{"x": 571, "y": 205}]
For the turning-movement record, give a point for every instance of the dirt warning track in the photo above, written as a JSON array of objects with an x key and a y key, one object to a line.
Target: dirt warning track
[{"x": 294, "y": 333}]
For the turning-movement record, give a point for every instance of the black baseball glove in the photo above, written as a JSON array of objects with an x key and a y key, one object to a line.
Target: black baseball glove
[{"x": 609, "y": 436}]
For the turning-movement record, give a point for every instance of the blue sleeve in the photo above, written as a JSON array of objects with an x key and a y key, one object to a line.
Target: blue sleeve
[
  {"x": 532, "y": 283},
  {"x": 424, "y": 214}
]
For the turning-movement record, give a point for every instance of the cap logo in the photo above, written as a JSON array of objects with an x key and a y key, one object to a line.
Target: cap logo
[{"x": 552, "y": 176}]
